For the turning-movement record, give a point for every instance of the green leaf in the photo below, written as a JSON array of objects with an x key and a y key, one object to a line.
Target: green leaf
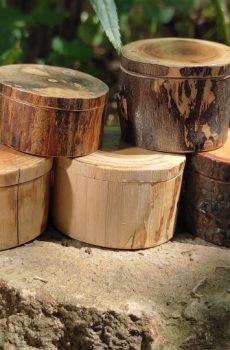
[
  {"x": 70, "y": 50},
  {"x": 107, "y": 14},
  {"x": 90, "y": 31},
  {"x": 45, "y": 17},
  {"x": 223, "y": 19},
  {"x": 167, "y": 14},
  {"x": 57, "y": 45},
  {"x": 12, "y": 55}
]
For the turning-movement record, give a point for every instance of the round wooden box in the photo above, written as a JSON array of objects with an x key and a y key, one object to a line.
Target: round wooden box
[
  {"x": 51, "y": 111},
  {"x": 125, "y": 198},
  {"x": 24, "y": 196},
  {"x": 207, "y": 195},
  {"x": 174, "y": 94}
]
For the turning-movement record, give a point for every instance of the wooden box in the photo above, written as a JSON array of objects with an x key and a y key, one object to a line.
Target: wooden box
[
  {"x": 174, "y": 94},
  {"x": 24, "y": 196},
  {"x": 207, "y": 195},
  {"x": 51, "y": 111},
  {"x": 118, "y": 197}
]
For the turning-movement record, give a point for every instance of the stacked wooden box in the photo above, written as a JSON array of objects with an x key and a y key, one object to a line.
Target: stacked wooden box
[
  {"x": 172, "y": 99},
  {"x": 46, "y": 112}
]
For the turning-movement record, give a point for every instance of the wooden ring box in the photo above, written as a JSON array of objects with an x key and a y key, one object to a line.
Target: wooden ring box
[
  {"x": 51, "y": 111},
  {"x": 24, "y": 196},
  {"x": 174, "y": 94},
  {"x": 120, "y": 197},
  {"x": 207, "y": 195}
]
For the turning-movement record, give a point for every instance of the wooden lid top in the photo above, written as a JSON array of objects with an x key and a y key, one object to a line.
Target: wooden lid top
[
  {"x": 176, "y": 57},
  {"x": 214, "y": 164},
  {"x": 124, "y": 163},
  {"x": 17, "y": 167},
  {"x": 52, "y": 87}
]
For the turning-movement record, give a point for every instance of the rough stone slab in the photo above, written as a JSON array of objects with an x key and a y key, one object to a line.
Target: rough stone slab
[{"x": 56, "y": 293}]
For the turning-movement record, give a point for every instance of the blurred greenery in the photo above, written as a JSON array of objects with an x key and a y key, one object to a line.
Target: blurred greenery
[{"x": 69, "y": 33}]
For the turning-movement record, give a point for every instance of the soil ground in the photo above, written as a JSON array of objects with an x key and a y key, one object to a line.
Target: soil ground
[{"x": 56, "y": 293}]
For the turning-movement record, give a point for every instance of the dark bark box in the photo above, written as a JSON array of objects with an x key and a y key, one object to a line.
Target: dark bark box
[
  {"x": 173, "y": 94},
  {"x": 207, "y": 195},
  {"x": 51, "y": 111}
]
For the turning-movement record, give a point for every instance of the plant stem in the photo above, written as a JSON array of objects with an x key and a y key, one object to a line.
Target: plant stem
[{"x": 223, "y": 19}]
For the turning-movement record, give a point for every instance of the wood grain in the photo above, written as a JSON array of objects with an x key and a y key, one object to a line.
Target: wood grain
[
  {"x": 177, "y": 58},
  {"x": 125, "y": 198},
  {"x": 173, "y": 105},
  {"x": 63, "y": 110},
  {"x": 214, "y": 164},
  {"x": 208, "y": 208},
  {"x": 207, "y": 195},
  {"x": 24, "y": 196},
  {"x": 33, "y": 207},
  {"x": 8, "y": 217}
]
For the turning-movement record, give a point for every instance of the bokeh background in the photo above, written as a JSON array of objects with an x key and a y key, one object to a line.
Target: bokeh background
[{"x": 68, "y": 32}]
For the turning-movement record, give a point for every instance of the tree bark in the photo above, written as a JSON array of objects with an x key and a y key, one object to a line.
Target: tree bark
[
  {"x": 208, "y": 208},
  {"x": 171, "y": 99},
  {"x": 51, "y": 111}
]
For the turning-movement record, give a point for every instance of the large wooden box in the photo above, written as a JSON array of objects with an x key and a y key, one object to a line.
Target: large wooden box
[
  {"x": 51, "y": 111},
  {"x": 24, "y": 196},
  {"x": 174, "y": 94},
  {"x": 118, "y": 198},
  {"x": 207, "y": 195}
]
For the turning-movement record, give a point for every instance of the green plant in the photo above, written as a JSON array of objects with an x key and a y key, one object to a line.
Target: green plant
[
  {"x": 72, "y": 32},
  {"x": 223, "y": 19},
  {"x": 107, "y": 13}
]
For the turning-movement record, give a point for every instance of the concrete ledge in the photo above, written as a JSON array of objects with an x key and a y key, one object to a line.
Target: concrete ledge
[{"x": 57, "y": 293}]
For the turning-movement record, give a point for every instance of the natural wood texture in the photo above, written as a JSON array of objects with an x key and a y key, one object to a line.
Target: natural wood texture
[
  {"x": 51, "y": 111},
  {"x": 207, "y": 195},
  {"x": 214, "y": 164},
  {"x": 174, "y": 93},
  {"x": 119, "y": 198},
  {"x": 24, "y": 196},
  {"x": 33, "y": 207},
  {"x": 177, "y": 57}
]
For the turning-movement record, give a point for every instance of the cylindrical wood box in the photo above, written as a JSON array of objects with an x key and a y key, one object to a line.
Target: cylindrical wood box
[
  {"x": 125, "y": 198},
  {"x": 174, "y": 94},
  {"x": 207, "y": 195},
  {"x": 51, "y": 111},
  {"x": 24, "y": 196}
]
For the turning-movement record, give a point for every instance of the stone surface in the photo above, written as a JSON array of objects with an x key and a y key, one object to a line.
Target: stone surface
[{"x": 56, "y": 293}]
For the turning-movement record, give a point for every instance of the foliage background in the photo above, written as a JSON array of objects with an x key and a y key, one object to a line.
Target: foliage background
[{"x": 68, "y": 32}]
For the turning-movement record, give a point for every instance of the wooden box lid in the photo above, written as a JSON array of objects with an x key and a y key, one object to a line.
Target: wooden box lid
[
  {"x": 52, "y": 87},
  {"x": 17, "y": 167},
  {"x": 124, "y": 163},
  {"x": 176, "y": 58},
  {"x": 214, "y": 164}
]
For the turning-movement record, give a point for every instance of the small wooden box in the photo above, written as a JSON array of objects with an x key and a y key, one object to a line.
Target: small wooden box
[
  {"x": 51, "y": 111},
  {"x": 174, "y": 94},
  {"x": 207, "y": 195},
  {"x": 24, "y": 196},
  {"x": 123, "y": 197}
]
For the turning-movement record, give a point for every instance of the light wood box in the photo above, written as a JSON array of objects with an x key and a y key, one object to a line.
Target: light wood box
[
  {"x": 24, "y": 196},
  {"x": 119, "y": 197}
]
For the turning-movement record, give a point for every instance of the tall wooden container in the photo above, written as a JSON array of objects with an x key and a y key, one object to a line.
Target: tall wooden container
[
  {"x": 174, "y": 94},
  {"x": 51, "y": 111},
  {"x": 207, "y": 195},
  {"x": 118, "y": 198},
  {"x": 24, "y": 196}
]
